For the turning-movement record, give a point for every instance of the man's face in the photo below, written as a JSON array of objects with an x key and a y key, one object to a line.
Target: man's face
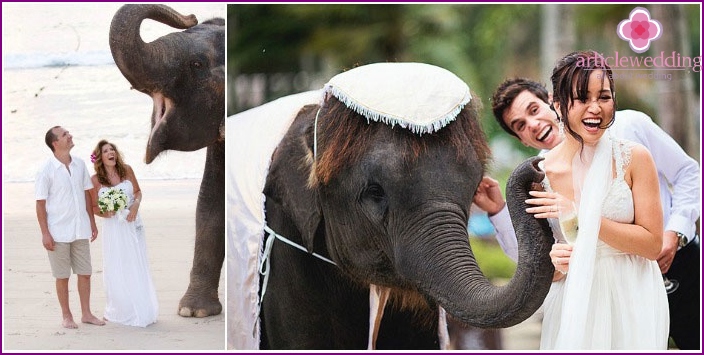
[
  {"x": 533, "y": 121},
  {"x": 64, "y": 139}
]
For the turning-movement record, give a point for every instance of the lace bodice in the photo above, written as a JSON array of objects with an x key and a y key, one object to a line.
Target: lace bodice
[{"x": 618, "y": 204}]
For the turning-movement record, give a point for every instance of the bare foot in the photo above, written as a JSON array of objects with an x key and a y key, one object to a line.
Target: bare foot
[
  {"x": 69, "y": 323},
  {"x": 92, "y": 320}
]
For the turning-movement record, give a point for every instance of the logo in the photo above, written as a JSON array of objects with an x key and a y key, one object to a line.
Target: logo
[{"x": 639, "y": 29}]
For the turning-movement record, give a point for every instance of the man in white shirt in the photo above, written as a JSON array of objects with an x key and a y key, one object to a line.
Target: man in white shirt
[
  {"x": 64, "y": 212},
  {"x": 522, "y": 109}
]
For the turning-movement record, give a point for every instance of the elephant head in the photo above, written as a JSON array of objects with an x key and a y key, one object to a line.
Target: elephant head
[
  {"x": 182, "y": 72},
  {"x": 391, "y": 209}
]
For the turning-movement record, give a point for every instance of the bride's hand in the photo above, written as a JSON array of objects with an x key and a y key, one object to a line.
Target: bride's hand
[
  {"x": 560, "y": 256},
  {"x": 547, "y": 204},
  {"x": 133, "y": 214}
]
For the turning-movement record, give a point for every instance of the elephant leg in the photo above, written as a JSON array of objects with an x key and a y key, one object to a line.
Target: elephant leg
[{"x": 201, "y": 298}]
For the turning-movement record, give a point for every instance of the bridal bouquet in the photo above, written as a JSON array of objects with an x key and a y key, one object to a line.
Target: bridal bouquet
[{"x": 112, "y": 200}]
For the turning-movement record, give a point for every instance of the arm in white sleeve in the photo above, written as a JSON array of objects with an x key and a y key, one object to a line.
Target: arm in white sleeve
[
  {"x": 681, "y": 171},
  {"x": 505, "y": 234}
]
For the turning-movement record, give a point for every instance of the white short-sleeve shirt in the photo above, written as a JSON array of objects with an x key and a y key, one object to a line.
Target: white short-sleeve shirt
[{"x": 64, "y": 192}]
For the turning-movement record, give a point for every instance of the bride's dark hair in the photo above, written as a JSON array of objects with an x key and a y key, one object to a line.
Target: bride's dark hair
[{"x": 99, "y": 167}]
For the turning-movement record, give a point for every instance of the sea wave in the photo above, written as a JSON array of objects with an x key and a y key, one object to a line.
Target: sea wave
[{"x": 41, "y": 60}]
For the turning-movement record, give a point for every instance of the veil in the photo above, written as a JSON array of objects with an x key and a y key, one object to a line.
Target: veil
[{"x": 590, "y": 191}]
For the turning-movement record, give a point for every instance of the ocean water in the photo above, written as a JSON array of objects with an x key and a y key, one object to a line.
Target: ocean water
[{"x": 58, "y": 70}]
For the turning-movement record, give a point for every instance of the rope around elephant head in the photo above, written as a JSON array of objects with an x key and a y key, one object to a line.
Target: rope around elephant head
[{"x": 264, "y": 263}]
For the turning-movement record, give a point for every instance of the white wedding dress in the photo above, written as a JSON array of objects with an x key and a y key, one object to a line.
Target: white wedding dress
[
  {"x": 130, "y": 294},
  {"x": 627, "y": 306}
]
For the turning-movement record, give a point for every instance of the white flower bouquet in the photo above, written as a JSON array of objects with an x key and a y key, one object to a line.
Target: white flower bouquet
[{"x": 112, "y": 200}]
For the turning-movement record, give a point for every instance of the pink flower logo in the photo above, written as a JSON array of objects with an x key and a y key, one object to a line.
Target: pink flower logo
[{"x": 639, "y": 30}]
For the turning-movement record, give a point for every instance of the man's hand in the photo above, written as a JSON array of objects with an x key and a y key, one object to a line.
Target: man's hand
[
  {"x": 94, "y": 231},
  {"x": 669, "y": 248},
  {"x": 48, "y": 241},
  {"x": 488, "y": 196}
]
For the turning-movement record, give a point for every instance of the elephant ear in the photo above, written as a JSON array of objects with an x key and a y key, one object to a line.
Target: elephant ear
[{"x": 288, "y": 180}]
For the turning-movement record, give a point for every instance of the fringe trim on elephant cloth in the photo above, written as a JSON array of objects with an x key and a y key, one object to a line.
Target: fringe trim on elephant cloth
[
  {"x": 251, "y": 138},
  {"x": 420, "y": 97}
]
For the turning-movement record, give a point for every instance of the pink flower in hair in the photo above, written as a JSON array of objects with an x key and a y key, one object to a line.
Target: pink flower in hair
[{"x": 93, "y": 158}]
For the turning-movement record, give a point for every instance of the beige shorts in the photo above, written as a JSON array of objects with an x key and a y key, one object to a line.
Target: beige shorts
[{"x": 67, "y": 256}]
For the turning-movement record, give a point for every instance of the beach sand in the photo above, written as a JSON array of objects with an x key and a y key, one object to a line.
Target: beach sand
[{"x": 31, "y": 312}]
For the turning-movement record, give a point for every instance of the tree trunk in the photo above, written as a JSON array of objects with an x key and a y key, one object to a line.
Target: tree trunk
[
  {"x": 557, "y": 36},
  {"x": 675, "y": 109}
]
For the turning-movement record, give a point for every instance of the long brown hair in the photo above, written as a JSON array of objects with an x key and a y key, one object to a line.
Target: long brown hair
[{"x": 99, "y": 167}]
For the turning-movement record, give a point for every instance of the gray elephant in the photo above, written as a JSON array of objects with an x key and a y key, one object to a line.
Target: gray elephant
[
  {"x": 184, "y": 74},
  {"x": 373, "y": 206}
]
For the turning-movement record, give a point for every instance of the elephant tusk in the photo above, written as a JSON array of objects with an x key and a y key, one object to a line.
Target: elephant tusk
[
  {"x": 443, "y": 332},
  {"x": 378, "y": 295}
]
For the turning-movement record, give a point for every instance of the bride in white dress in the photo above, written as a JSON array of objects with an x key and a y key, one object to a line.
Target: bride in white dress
[
  {"x": 130, "y": 294},
  {"x": 608, "y": 292}
]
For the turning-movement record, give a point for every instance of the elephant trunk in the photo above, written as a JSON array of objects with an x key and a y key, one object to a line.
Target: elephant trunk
[
  {"x": 458, "y": 284},
  {"x": 143, "y": 64}
]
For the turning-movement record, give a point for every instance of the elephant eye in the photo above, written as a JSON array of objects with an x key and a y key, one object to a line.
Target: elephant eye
[
  {"x": 196, "y": 64},
  {"x": 374, "y": 202},
  {"x": 375, "y": 192}
]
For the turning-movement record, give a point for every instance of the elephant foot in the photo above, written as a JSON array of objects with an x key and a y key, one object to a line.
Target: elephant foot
[{"x": 192, "y": 305}]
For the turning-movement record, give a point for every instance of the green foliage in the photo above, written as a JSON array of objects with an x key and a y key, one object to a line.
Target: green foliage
[
  {"x": 483, "y": 44},
  {"x": 491, "y": 259},
  {"x": 695, "y": 27}
]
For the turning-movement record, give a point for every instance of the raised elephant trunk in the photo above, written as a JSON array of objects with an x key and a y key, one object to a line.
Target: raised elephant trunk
[
  {"x": 143, "y": 63},
  {"x": 464, "y": 291}
]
